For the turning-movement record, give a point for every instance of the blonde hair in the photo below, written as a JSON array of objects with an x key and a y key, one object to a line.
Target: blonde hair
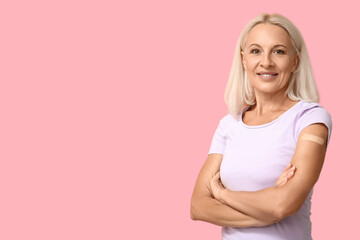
[{"x": 239, "y": 93}]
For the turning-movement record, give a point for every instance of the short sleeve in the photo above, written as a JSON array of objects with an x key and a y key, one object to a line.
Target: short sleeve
[
  {"x": 219, "y": 139},
  {"x": 316, "y": 114}
]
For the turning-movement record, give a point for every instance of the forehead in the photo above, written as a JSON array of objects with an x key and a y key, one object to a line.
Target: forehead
[{"x": 268, "y": 35}]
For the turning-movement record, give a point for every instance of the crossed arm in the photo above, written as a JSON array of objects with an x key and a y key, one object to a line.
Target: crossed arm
[
  {"x": 213, "y": 203},
  {"x": 205, "y": 207}
]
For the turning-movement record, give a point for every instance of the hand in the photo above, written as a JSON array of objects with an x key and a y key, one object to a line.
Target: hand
[
  {"x": 217, "y": 187},
  {"x": 286, "y": 175}
]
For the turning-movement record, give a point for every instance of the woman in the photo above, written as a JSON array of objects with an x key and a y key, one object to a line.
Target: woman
[{"x": 274, "y": 123}]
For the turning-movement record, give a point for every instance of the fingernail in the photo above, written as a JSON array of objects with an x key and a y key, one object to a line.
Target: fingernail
[
  {"x": 292, "y": 173},
  {"x": 293, "y": 168}
]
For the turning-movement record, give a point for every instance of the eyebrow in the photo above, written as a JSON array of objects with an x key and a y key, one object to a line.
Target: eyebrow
[{"x": 278, "y": 45}]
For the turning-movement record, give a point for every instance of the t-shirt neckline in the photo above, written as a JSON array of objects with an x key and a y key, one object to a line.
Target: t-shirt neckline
[{"x": 269, "y": 123}]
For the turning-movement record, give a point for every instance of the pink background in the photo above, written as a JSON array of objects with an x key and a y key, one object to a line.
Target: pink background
[{"x": 108, "y": 110}]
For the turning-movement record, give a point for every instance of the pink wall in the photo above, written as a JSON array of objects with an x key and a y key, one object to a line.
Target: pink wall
[{"x": 108, "y": 110}]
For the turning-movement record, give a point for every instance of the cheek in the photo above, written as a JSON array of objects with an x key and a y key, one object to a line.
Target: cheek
[
  {"x": 286, "y": 68},
  {"x": 245, "y": 64},
  {"x": 250, "y": 64},
  {"x": 290, "y": 65}
]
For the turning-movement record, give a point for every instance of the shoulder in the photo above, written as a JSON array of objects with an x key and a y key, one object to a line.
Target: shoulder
[
  {"x": 313, "y": 111},
  {"x": 309, "y": 107},
  {"x": 310, "y": 113},
  {"x": 226, "y": 123},
  {"x": 227, "y": 119}
]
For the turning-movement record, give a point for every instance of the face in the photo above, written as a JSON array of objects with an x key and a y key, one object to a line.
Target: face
[{"x": 269, "y": 58}]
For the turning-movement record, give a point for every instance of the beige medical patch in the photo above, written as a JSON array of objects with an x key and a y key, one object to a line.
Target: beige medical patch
[{"x": 313, "y": 138}]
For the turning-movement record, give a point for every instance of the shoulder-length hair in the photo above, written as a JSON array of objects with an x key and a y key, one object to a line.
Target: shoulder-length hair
[{"x": 239, "y": 93}]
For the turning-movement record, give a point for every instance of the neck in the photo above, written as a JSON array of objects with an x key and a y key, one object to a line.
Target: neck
[{"x": 267, "y": 103}]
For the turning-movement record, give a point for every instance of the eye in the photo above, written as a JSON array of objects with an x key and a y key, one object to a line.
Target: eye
[
  {"x": 279, "y": 52},
  {"x": 255, "y": 51}
]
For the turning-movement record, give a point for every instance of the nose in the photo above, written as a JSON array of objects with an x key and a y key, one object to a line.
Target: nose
[{"x": 266, "y": 60}]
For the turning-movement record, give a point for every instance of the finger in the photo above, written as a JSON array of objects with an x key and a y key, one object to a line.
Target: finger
[
  {"x": 213, "y": 185},
  {"x": 214, "y": 177},
  {"x": 215, "y": 180},
  {"x": 287, "y": 167},
  {"x": 285, "y": 172},
  {"x": 291, "y": 171},
  {"x": 286, "y": 175},
  {"x": 290, "y": 175},
  {"x": 282, "y": 182},
  {"x": 278, "y": 182},
  {"x": 283, "y": 175}
]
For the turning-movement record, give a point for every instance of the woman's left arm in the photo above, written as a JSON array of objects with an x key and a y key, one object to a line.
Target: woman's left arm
[{"x": 275, "y": 203}]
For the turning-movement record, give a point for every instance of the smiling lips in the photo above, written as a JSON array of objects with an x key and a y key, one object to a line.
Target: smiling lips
[{"x": 267, "y": 75}]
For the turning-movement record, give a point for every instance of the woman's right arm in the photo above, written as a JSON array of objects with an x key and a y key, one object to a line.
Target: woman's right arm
[{"x": 206, "y": 208}]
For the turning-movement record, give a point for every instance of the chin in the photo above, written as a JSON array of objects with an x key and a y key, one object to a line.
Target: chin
[{"x": 268, "y": 89}]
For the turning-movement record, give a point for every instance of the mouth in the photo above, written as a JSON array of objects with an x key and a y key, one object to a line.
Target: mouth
[{"x": 267, "y": 76}]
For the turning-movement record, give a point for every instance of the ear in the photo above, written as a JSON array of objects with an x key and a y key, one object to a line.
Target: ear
[
  {"x": 296, "y": 62},
  {"x": 243, "y": 59}
]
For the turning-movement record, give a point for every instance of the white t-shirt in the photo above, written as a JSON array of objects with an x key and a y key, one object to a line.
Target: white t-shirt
[{"x": 255, "y": 156}]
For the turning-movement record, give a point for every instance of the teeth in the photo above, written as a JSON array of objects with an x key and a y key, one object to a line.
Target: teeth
[{"x": 267, "y": 75}]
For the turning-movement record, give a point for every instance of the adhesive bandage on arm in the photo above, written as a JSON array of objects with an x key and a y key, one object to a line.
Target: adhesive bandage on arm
[{"x": 313, "y": 138}]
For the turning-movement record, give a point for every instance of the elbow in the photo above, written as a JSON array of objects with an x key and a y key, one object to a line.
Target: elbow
[
  {"x": 194, "y": 210},
  {"x": 193, "y": 216},
  {"x": 284, "y": 205},
  {"x": 198, "y": 208},
  {"x": 282, "y": 211},
  {"x": 279, "y": 214}
]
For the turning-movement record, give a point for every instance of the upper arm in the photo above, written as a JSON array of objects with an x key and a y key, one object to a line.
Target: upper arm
[
  {"x": 208, "y": 170},
  {"x": 202, "y": 190},
  {"x": 308, "y": 159},
  {"x": 213, "y": 161}
]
